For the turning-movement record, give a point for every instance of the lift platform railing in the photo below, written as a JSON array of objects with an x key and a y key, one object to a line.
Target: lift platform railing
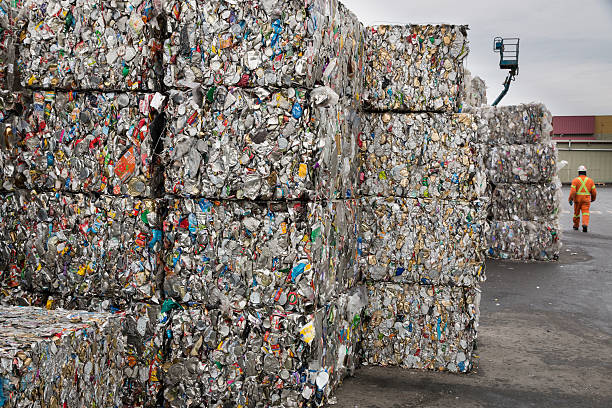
[{"x": 508, "y": 49}]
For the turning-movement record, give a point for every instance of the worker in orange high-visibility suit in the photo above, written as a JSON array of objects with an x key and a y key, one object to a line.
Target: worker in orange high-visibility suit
[{"x": 582, "y": 194}]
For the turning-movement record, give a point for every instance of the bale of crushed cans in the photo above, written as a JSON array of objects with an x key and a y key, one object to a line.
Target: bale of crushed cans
[
  {"x": 90, "y": 142},
  {"x": 44, "y": 352},
  {"x": 261, "y": 356},
  {"x": 526, "y": 163},
  {"x": 82, "y": 252},
  {"x": 525, "y": 240},
  {"x": 421, "y": 326},
  {"x": 407, "y": 240},
  {"x": 257, "y": 143},
  {"x": 521, "y": 163},
  {"x": 264, "y": 43},
  {"x": 414, "y": 68},
  {"x": 534, "y": 202},
  {"x": 421, "y": 155},
  {"x": 293, "y": 254},
  {"x": 82, "y": 245},
  {"x": 513, "y": 125},
  {"x": 143, "y": 328},
  {"x": 93, "y": 45}
]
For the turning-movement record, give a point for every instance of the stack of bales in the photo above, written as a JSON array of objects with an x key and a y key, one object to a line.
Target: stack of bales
[
  {"x": 201, "y": 177},
  {"x": 421, "y": 182},
  {"x": 81, "y": 211},
  {"x": 260, "y": 164},
  {"x": 525, "y": 191}
]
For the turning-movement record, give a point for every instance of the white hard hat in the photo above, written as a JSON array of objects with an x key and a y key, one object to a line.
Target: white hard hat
[{"x": 582, "y": 168}]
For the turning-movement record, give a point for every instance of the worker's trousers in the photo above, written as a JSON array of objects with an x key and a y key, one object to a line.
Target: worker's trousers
[{"x": 582, "y": 204}]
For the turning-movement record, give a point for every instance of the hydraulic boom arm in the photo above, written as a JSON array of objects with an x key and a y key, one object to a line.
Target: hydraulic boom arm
[{"x": 509, "y": 78}]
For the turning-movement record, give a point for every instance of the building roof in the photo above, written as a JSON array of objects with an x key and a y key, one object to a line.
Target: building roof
[{"x": 573, "y": 125}]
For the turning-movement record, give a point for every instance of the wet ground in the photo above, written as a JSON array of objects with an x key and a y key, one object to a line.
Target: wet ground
[{"x": 545, "y": 336}]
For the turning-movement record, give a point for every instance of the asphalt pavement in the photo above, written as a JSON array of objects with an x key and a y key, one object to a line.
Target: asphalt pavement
[{"x": 545, "y": 337}]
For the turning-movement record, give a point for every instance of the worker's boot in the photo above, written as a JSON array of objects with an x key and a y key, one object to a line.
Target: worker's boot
[
  {"x": 575, "y": 228},
  {"x": 584, "y": 228}
]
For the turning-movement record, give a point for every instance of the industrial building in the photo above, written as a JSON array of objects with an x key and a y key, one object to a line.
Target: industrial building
[{"x": 585, "y": 140}]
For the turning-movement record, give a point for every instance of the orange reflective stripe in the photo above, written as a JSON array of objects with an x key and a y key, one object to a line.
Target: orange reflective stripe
[{"x": 583, "y": 190}]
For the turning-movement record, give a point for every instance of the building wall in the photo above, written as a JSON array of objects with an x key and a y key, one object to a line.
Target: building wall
[
  {"x": 603, "y": 127},
  {"x": 597, "y": 159}
]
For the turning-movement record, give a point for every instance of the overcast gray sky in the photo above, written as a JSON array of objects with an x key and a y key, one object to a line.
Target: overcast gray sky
[{"x": 565, "y": 52}]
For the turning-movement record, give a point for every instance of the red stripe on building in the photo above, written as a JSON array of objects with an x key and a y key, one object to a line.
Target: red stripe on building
[{"x": 573, "y": 125}]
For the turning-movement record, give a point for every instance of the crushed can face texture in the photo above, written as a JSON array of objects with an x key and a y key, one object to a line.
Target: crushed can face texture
[
  {"x": 426, "y": 241},
  {"x": 421, "y": 155},
  {"x": 527, "y": 202},
  {"x": 93, "y": 45},
  {"x": 250, "y": 355},
  {"x": 79, "y": 245},
  {"x": 292, "y": 254},
  {"x": 421, "y": 326},
  {"x": 234, "y": 143},
  {"x": 525, "y": 240},
  {"x": 527, "y": 163},
  {"x": 414, "y": 68},
  {"x": 90, "y": 142},
  {"x": 525, "y": 124},
  {"x": 254, "y": 44}
]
